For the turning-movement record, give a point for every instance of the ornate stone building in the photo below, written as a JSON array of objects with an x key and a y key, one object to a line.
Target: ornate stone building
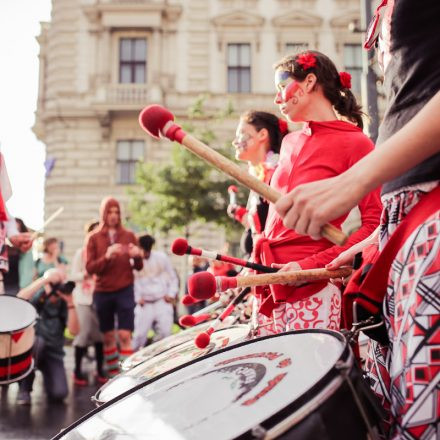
[{"x": 102, "y": 61}]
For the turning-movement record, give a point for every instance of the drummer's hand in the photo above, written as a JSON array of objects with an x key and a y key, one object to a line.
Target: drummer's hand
[
  {"x": 346, "y": 258},
  {"x": 288, "y": 267},
  {"x": 22, "y": 241},
  {"x": 54, "y": 276},
  {"x": 309, "y": 206}
]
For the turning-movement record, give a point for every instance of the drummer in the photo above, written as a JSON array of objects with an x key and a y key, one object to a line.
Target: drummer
[
  {"x": 311, "y": 91},
  {"x": 8, "y": 226},
  {"x": 257, "y": 141},
  {"x": 56, "y": 312}
]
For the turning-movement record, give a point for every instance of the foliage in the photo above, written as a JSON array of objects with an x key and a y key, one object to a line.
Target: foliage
[{"x": 186, "y": 191}]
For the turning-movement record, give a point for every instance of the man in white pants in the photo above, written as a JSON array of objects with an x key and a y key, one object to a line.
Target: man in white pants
[{"x": 155, "y": 289}]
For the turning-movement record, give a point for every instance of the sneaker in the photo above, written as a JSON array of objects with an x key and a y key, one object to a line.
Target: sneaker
[
  {"x": 23, "y": 398},
  {"x": 79, "y": 379}
]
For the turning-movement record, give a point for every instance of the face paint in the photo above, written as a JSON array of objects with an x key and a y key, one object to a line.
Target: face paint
[
  {"x": 286, "y": 86},
  {"x": 240, "y": 141}
]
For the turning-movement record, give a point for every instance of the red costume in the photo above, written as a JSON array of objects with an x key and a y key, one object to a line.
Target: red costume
[{"x": 319, "y": 151}]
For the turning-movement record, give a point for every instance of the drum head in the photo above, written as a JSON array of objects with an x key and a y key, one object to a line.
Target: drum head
[
  {"x": 15, "y": 314},
  {"x": 224, "y": 395},
  {"x": 168, "y": 360},
  {"x": 165, "y": 344}
]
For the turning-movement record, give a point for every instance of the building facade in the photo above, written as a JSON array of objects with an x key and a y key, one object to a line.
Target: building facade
[{"x": 102, "y": 61}]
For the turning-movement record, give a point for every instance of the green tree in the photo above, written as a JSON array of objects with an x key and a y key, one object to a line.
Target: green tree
[{"x": 187, "y": 191}]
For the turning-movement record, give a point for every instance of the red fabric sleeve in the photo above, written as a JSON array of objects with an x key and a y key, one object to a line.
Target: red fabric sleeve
[
  {"x": 94, "y": 265},
  {"x": 239, "y": 213},
  {"x": 370, "y": 208}
]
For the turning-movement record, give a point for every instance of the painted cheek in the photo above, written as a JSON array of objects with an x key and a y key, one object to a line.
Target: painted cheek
[{"x": 290, "y": 90}]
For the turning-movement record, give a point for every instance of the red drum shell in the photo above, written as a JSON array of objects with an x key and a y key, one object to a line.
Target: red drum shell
[{"x": 17, "y": 336}]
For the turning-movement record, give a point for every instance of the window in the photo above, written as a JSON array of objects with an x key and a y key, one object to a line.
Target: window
[
  {"x": 294, "y": 48},
  {"x": 353, "y": 65},
  {"x": 128, "y": 153},
  {"x": 132, "y": 60},
  {"x": 239, "y": 68}
]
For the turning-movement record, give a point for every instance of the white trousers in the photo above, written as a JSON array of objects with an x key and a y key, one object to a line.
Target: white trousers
[{"x": 159, "y": 312}]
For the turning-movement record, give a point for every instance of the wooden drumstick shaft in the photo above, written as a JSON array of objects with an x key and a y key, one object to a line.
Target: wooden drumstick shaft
[
  {"x": 49, "y": 220},
  {"x": 292, "y": 276},
  {"x": 328, "y": 231}
]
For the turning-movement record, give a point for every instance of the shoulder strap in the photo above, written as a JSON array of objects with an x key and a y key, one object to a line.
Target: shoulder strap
[{"x": 375, "y": 283}]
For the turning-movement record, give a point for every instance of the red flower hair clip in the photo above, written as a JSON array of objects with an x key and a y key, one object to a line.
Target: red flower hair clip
[
  {"x": 282, "y": 125},
  {"x": 306, "y": 60},
  {"x": 345, "y": 79}
]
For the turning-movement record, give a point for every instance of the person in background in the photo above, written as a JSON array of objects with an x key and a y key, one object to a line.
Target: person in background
[
  {"x": 25, "y": 261},
  {"x": 112, "y": 253},
  {"x": 156, "y": 287},
  {"x": 55, "y": 312},
  {"x": 8, "y": 226},
  {"x": 51, "y": 258},
  {"x": 89, "y": 333}
]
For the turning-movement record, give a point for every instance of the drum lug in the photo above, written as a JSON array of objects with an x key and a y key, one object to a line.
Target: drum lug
[{"x": 258, "y": 432}]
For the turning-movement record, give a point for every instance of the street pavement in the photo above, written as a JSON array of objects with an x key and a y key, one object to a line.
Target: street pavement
[{"x": 42, "y": 420}]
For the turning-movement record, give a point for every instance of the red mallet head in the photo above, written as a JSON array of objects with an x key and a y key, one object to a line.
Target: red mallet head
[
  {"x": 190, "y": 320},
  {"x": 179, "y": 246},
  {"x": 153, "y": 119},
  {"x": 202, "y": 340},
  {"x": 202, "y": 285},
  {"x": 188, "y": 300},
  {"x": 232, "y": 188}
]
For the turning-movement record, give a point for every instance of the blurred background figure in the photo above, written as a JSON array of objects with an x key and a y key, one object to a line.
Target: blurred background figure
[
  {"x": 51, "y": 258},
  {"x": 155, "y": 287},
  {"x": 89, "y": 333},
  {"x": 55, "y": 311}
]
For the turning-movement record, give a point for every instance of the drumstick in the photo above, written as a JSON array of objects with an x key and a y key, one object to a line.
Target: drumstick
[
  {"x": 49, "y": 220},
  {"x": 191, "y": 320},
  {"x": 158, "y": 121},
  {"x": 180, "y": 246},
  {"x": 203, "y": 285},
  {"x": 203, "y": 339}
]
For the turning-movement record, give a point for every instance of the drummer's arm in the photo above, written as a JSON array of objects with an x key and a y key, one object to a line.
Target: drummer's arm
[
  {"x": 53, "y": 276},
  {"x": 29, "y": 291}
]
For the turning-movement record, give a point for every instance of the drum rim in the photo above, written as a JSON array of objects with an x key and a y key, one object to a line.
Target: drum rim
[
  {"x": 180, "y": 343},
  {"x": 95, "y": 398},
  {"x": 327, "y": 378},
  {"x": 3, "y": 332}
]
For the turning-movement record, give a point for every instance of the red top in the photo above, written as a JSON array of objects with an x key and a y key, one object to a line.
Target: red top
[
  {"x": 319, "y": 151},
  {"x": 117, "y": 272}
]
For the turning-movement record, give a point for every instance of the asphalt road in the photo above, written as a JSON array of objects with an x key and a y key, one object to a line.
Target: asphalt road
[{"x": 42, "y": 420}]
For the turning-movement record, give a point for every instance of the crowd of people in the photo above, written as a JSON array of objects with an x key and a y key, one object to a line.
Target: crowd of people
[{"x": 323, "y": 170}]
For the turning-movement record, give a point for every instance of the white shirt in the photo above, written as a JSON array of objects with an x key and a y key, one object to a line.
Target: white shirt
[{"x": 156, "y": 279}]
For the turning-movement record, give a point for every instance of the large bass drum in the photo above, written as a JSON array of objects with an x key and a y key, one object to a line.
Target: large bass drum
[
  {"x": 296, "y": 385},
  {"x": 168, "y": 360}
]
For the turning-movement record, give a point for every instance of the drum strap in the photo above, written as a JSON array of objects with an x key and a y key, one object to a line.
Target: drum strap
[{"x": 368, "y": 286}]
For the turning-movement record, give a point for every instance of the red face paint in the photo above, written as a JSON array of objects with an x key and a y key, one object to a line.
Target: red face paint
[
  {"x": 289, "y": 91},
  {"x": 286, "y": 86}
]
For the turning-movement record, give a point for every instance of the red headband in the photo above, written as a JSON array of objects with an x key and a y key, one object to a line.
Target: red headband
[{"x": 345, "y": 79}]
